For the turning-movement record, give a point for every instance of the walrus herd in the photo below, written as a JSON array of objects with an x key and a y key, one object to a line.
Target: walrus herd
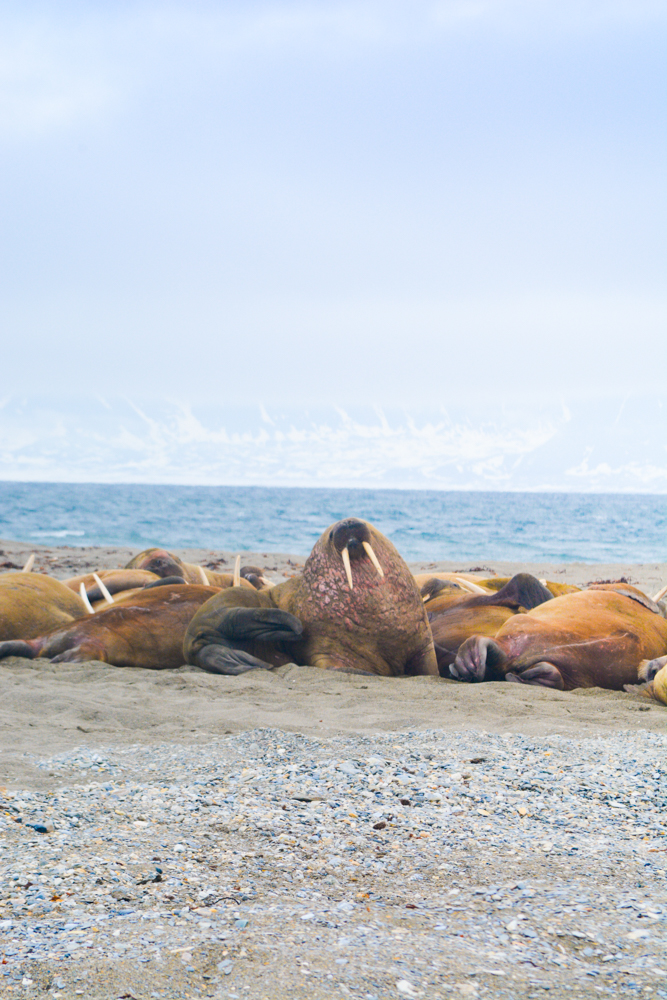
[{"x": 356, "y": 607}]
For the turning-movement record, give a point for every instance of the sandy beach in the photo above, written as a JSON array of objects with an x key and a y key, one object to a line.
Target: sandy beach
[{"x": 266, "y": 791}]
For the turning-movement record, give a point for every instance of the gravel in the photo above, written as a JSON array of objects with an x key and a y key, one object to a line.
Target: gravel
[{"x": 272, "y": 864}]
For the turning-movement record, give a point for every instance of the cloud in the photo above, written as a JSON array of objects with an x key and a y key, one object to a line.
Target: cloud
[{"x": 169, "y": 443}]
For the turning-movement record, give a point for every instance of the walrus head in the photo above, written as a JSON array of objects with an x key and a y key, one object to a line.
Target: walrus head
[
  {"x": 352, "y": 540},
  {"x": 158, "y": 561}
]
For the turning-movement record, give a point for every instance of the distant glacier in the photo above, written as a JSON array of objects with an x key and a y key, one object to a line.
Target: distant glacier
[{"x": 608, "y": 445}]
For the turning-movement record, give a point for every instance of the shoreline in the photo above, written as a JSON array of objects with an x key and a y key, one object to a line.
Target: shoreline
[
  {"x": 301, "y": 833},
  {"x": 62, "y": 561}
]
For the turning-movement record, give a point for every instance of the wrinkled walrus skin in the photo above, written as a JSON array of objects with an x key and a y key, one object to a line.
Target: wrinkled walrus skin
[
  {"x": 32, "y": 604},
  {"x": 594, "y": 638},
  {"x": 146, "y": 631},
  {"x": 342, "y": 613}
]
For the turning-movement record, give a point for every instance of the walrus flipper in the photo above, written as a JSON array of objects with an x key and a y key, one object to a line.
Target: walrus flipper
[
  {"x": 164, "y": 581},
  {"x": 545, "y": 674},
  {"x": 16, "y": 647},
  {"x": 522, "y": 591},
  {"x": 479, "y": 659},
  {"x": 224, "y": 660},
  {"x": 226, "y": 638}
]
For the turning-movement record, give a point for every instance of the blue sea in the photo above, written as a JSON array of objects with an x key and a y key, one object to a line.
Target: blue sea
[{"x": 423, "y": 524}]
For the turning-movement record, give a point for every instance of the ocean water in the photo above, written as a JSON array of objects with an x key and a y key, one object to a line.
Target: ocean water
[{"x": 423, "y": 524}]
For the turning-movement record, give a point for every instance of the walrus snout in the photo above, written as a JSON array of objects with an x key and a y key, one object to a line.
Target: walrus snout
[
  {"x": 649, "y": 668},
  {"x": 350, "y": 534},
  {"x": 161, "y": 562},
  {"x": 352, "y": 538}
]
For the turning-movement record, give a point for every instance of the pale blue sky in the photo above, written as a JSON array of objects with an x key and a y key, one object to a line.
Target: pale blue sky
[{"x": 396, "y": 204}]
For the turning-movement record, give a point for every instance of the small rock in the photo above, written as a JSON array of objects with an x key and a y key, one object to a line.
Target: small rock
[{"x": 406, "y": 989}]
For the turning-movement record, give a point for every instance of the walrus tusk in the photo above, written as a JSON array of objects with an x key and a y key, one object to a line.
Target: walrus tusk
[
  {"x": 348, "y": 569},
  {"x": 469, "y": 585},
  {"x": 204, "y": 578},
  {"x": 373, "y": 558},
  {"x": 84, "y": 598},
  {"x": 543, "y": 582},
  {"x": 661, "y": 593},
  {"x": 30, "y": 562},
  {"x": 105, "y": 593},
  {"x": 237, "y": 572}
]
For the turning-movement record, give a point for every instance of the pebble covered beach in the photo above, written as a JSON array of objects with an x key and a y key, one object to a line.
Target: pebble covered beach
[{"x": 174, "y": 834}]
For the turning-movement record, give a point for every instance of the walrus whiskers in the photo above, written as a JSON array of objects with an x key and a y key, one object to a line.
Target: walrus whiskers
[
  {"x": 84, "y": 598},
  {"x": 348, "y": 569},
  {"x": 105, "y": 593},
  {"x": 373, "y": 558},
  {"x": 29, "y": 563},
  {"x": 661, "y": 593},
  {"x": 204, "y": 578},
  {"x": 237, "y": 572}
]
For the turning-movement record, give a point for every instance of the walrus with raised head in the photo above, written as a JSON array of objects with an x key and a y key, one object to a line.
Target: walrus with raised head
[
  {"x": 594, "y": 638},
  {"x": 32, "y": 604},
  {"x": 144, "y": 631},
  {"x": 355, "y": 608}
]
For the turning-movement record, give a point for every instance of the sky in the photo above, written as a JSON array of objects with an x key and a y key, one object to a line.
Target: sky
[{"x": 369, "y": 243}]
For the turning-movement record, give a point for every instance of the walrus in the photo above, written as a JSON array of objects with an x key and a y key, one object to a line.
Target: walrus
[
  {"x": 101, "y": 603},
  {"x": 256, "y": 576},
  {"x": 470, "y": 615},
  {"x": 555, "y": 588},
  {"x": 145, "y": 631},
  {"x": 164, "y": 563},
  {"x": 355, "y": 608},
  {"x": 594, "y": 638},
  {"x": 32, "y": 604},
  {"x": 653, "y": 674},
  {"x": 115, "y": 580},
  {"x": 432, "y": 584}
]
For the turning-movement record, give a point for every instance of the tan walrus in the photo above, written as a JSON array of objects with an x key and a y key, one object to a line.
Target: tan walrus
[
  {"x": 654, "y": 675},
  {"x": 32, "y": 604},
  {"x": 145, "y": 631},
  {"x": 115, "y": 581},
  {"x": 165, "y": 563},
  {"x": 355, "y": 608},
  {"x": 594, "y": 638}
]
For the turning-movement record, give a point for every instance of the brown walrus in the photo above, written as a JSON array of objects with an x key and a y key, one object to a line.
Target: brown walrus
[
  {"x": 164, "y": 563},
  {"x": 594, "y": 638},
  {"x": 355, "y": 608},
  {"x": 145, "y": 631},
  {"x": 468, "y": 615},
  {"x": 31, "y": 604}
]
